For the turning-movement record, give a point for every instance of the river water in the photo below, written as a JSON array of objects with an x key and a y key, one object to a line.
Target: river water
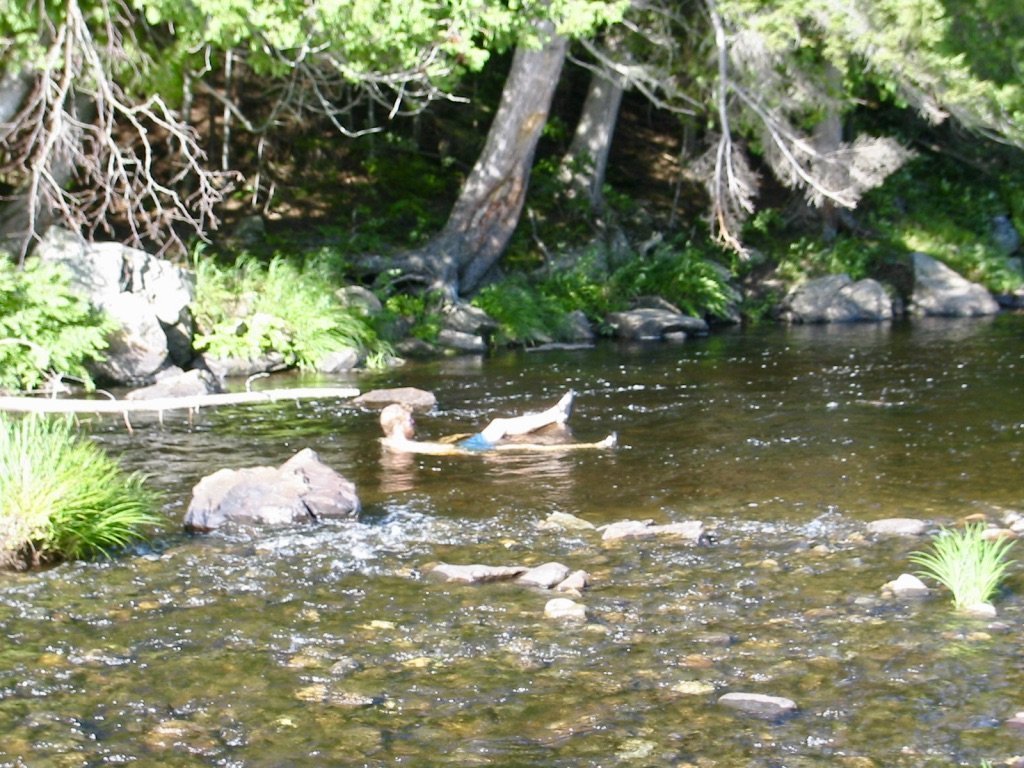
[{"x": 327, "y": 646}]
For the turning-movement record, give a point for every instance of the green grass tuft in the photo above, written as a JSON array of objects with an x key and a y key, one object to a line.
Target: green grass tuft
[
  {"x": 249, "y": 309},
  {"x": 966, "y": 563},
  {"x": 62, "y": 497}
]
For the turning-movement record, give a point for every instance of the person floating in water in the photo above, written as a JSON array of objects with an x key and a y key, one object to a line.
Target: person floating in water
[{"x": 399, "y": 430}]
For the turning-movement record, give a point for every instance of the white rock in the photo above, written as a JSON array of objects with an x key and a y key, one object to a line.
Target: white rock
[
  {"x": 906, "y": 585},
  {"x": 544, "y": 576},
  {"x": 564, "y": 608},
  {"x": 476, "y": 573},
  {"x": 575, "y": 582},
  {"x": 690, "y": 530},
  {"x": 758, "y": 705},
  {"x": 565, "y": 521},
  {"x": 898, "y": 526}
]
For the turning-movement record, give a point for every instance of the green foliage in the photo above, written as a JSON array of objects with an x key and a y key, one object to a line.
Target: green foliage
[
  {"x": 944, "y": 209},
  {"x": 45, "y": 328},
  {"x": 62, "y": 497},
  {"x": 682, "y": 275},
  {"x": 248, "y": 310},
  {"x": 524, "y": 315},
  {"x": 967, "y": 564},
  {"x": 419, "y": 315},
  {"x": 811, "y": 257},
  {"x": 584, "y": 286}
]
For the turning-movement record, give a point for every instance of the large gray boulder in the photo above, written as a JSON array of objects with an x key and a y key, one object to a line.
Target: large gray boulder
[
  {"x": 302, "y": 490},
  {"x": 137, "y": 349},
  {"x": 941, "y": 292},
  {"x": 149, "y": 297},
  {"x": 838, "y": 299}
]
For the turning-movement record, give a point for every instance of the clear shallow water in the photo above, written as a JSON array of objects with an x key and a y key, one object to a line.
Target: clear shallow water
[{"x": 327, "y": 646}]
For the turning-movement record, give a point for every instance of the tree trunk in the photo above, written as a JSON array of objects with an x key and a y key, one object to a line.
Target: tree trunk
[
  {"x": 487, "y": 211},
  {"x": 586, "y": 161}
]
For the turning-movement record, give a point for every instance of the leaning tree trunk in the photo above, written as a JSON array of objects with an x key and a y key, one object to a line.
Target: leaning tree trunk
[
  {"x": 488, "y": 208},
  {"x": 586, "y": 161}
]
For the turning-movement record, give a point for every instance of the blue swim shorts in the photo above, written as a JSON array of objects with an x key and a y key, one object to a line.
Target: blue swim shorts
[{"x": 476, "y": 443}]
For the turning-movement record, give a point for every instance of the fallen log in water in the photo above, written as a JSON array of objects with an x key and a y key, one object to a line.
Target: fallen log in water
[{"x": 160, "y": 404}]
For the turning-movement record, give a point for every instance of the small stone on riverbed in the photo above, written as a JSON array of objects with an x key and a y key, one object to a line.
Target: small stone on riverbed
[
  {"x": 563, "y": 520},
  {"x": 476, "y": 573},
  {"x": 693, "y": 688},
  {"x": 899, "y": 526},
  {"x": 563, "y": 608},
  {"x": 759, "y": 705},
  {"x": 906, "y": 585},
  {"x": 544, "y": 576},
  {"x": 691, "y": 530}
]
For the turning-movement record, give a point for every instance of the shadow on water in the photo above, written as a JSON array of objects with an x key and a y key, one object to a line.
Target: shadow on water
[{"x": 329, "y": 646}]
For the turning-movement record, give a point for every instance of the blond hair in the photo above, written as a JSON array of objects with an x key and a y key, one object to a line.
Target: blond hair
[{"x": 394, "y": 415}]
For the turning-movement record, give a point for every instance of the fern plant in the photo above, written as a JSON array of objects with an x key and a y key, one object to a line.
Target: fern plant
[
  {"x": 46, "y": 329},
  {"x": 62, "y": 497},
  {"x": 524, "y": 316},
  {"x": 249, "y": 310},
  {"x": 969, "y": 565}
]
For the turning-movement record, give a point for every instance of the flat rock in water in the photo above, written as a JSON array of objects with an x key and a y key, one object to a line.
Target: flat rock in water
[
  {"x": 301, "y": 490},
  {"x": 899, "y": 526},
  {"x": 192, "y": 383},
  {"x": 758, "y": 704},
  {"x": 906, "y": 585},
  {"x": 416, "y": 399},
  {"x": 564, "y": 608},
  {"x": 691, "y": 530},
  {"x": 565, "y": 521},
  {"x": 476, "y": 573},
  {"x": 939, "y": 291},
  {"x": 544, "y": 576},
  {"x": 574, "y": 583}
]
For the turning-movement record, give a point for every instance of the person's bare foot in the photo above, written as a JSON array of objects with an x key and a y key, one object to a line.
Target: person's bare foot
[{"x": 564, "y": 406}]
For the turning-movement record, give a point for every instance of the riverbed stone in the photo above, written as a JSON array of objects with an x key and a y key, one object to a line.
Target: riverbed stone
[
  {"x": 148, "y": 295},
  {"x": 415, "y": 399},
  {"x": 906, "y": 585},
  {"x": 759, "y": 705},
  {"x": 574, "y": 583},
  {"x": 940, "y": 291},
  {"x": 899, "y": 526},
  {"x": 563, "y": 608},
  {"x": 475, "y": 573},
  {"x": 649, "y": 323},
  {"x": 565, "y": 521},
  {"x": 137, "y": 349},
  {"x": 544, "y": 576},
  {"x": 460, "y": 341},
  {"x": 1017, "y": 721},
  {"x": 838, "y": 299},
  {"x": 360, "y": 300},
  {"x": 339, "y": 361},
  {"x": 690, "y": 530},
  {"x": 178, "y": 383},
  {"x": 302, "y": 490}
]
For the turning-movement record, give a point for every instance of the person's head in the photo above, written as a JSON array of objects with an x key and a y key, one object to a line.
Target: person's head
[{"x": 396, "y": 421}]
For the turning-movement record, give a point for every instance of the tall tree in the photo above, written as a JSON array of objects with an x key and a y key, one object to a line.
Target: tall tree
[
  {"x": 457, "y": 260},
  {"x": 787, "y": 72},
  {"x": 488, "y": 207},
  {"x": 111, "y": 83}
]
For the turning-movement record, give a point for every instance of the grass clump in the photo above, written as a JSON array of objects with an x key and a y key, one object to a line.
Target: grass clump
[
  {"x": 46, "y": 329},
  {"x": 524, "y": 315},
  {"x": 62, "y": 497},
  {"x": 966, "y": 563},
  {"x": 248, "y": 310}
]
